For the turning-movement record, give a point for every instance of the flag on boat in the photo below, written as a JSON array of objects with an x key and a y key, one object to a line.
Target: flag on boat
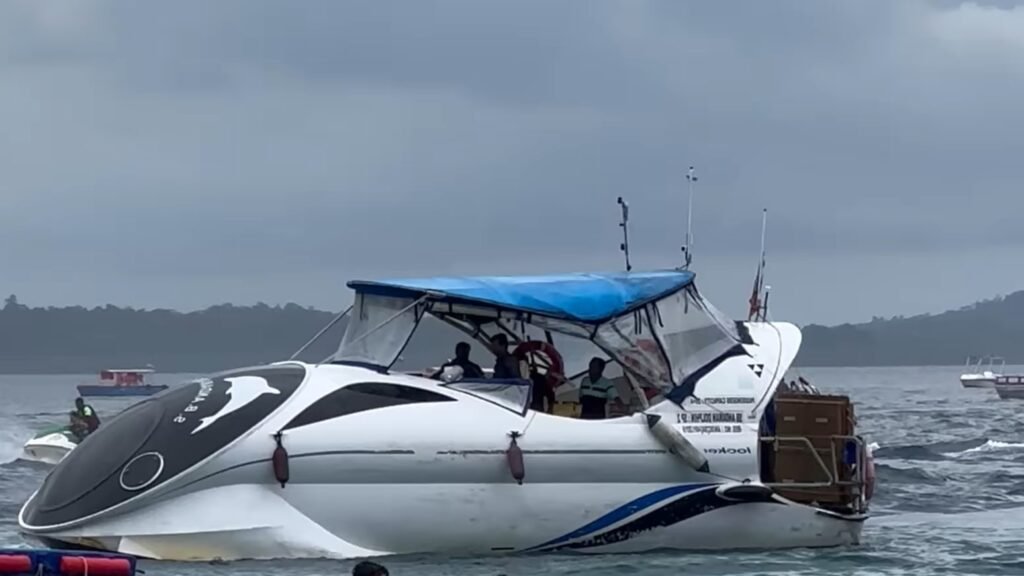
[
  {"x": 755, "y": 295},
  {"x": 758, "y": 309}
]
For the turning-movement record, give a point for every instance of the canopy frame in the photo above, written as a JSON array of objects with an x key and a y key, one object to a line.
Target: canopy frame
[{"x": 638, "y": 311}]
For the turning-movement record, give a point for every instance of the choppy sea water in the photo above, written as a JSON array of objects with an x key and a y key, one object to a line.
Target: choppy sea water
[{"x": 950, "y": 498}]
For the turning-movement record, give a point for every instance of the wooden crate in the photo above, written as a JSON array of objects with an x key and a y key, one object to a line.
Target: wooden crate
[
  {"x": 794, "y": 463},
  {"x": 804, "y": 415},
  {"x": 817, "y": 418}
]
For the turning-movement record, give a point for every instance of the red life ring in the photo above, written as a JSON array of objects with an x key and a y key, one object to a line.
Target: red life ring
[{"x": 556, "y": 367}]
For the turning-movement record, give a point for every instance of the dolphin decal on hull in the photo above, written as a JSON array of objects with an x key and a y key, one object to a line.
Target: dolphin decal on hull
[{"x": 243, "y": 390}]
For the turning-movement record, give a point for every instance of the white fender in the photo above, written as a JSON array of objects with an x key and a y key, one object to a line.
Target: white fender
[{"x": 674, "y": 441}]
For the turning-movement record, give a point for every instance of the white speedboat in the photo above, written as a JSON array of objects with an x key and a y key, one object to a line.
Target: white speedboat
[
  {"x": 50, "y": 446},
  {"x": 986, "y": 370},
  {"x": 348, "y": 458}
]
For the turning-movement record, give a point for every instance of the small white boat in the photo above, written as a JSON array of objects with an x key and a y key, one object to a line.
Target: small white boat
[
  {"x": 1010, "y": 387},
  {"x": 987, "y": 369},
  {"x": 50, "y": 446}
]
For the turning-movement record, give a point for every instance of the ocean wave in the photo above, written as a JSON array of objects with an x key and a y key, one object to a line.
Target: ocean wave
[
  {"x": 987, "y": 446},
  {"x": 930, "y": 452},
  {"x": 888, "y": 474},
  {"x": 12, "y": 440}
]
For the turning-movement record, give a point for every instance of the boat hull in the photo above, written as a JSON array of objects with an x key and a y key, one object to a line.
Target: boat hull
[
  {"x": 987, "y": 383},
  {"x": 300, "y": 461},
  {"x": 94, "y": 390},
  {"x": 1010, "y": 391},
  {"x": 311, "y": 521}
]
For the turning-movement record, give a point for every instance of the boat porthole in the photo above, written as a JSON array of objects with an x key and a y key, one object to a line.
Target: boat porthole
[{"x": 141, "y": 471}]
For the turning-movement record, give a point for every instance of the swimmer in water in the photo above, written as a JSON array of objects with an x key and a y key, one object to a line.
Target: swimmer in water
[{"x": 367, "y": 568}]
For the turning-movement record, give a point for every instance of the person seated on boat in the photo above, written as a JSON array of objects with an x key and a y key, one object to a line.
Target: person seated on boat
[
  {"x": 83, "y": 419},
  {"x": 506, "y": 365},
  {"x": 85, "y": 413},
  {"x": 470, "y": 369},
  {"x": 596, "y": 391},
  {"x": 367, "y": 568}
]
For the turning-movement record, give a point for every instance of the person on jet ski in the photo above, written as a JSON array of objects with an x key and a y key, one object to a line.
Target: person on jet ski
[{"x": 84, "y": 420}]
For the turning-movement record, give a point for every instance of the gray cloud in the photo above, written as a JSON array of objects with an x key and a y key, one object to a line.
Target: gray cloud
[{"x": 185, "y": 153}]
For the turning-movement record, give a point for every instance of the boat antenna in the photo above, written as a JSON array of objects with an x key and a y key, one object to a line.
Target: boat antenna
[
  {"x": 688, "y": 246},
  {"x": 758, "y": 305},
  {"x": 624, "y": 224}
]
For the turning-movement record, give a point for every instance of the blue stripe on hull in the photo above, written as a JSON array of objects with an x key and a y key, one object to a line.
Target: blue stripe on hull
[
  {"x": 92, "y": 390},
  {"x": 699, "y": 499},
  {"x": 623, "y": 512}
]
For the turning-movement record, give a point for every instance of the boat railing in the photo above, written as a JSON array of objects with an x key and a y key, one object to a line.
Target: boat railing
[
  {"x": 988, "y": 361},
  {"x": 857, "y": 482}
]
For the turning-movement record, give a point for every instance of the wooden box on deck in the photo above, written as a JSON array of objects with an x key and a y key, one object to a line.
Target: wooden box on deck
[{"x": 818, "y": 418}]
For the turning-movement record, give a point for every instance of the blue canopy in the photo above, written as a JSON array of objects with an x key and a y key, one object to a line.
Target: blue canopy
[{"x": 588, "y": 298}]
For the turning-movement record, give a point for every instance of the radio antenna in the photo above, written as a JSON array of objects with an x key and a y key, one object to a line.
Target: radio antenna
[
  {"x": 624, "y": 224},
  {"x": 688, "y": 246}
]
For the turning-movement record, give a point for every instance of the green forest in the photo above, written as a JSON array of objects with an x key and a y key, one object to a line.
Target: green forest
[
  {"x": 82, "y": 340},
  {"x": 993, "y": 327}
]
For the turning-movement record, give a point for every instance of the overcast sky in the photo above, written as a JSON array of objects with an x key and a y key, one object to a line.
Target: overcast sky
[{"x": 182, "y": 154}]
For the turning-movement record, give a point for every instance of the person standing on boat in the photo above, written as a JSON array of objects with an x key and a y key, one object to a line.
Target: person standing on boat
[
  {"x": 506, "y": 366},
  {"x": 542, "y": 398},
  {"x": 596, "y": 391}
]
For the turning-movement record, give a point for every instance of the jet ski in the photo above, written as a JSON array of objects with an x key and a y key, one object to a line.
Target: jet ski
[{"x": 50, "y": 446}]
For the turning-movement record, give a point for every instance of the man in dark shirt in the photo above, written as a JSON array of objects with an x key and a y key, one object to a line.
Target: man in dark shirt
[
  {"x": 84, "y": 420},
  {"x": 469, "y": 368},
  {"x": 506, "y": 366}
]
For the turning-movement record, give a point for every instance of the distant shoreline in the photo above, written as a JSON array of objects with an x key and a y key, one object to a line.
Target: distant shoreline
[{"x": 78, "y": 340}]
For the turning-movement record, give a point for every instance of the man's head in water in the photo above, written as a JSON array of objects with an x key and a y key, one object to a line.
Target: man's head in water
[{"x": 367, "y": 568}]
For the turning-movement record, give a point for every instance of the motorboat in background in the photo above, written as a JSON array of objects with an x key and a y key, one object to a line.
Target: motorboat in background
[
  {"x": 348, "y": 458},
  {"x": 1010, "y": 386},
  {"x": 50, "y": 446},
  {"x": 986, "y": 370},
  {"x": 122, "y": 382}
]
